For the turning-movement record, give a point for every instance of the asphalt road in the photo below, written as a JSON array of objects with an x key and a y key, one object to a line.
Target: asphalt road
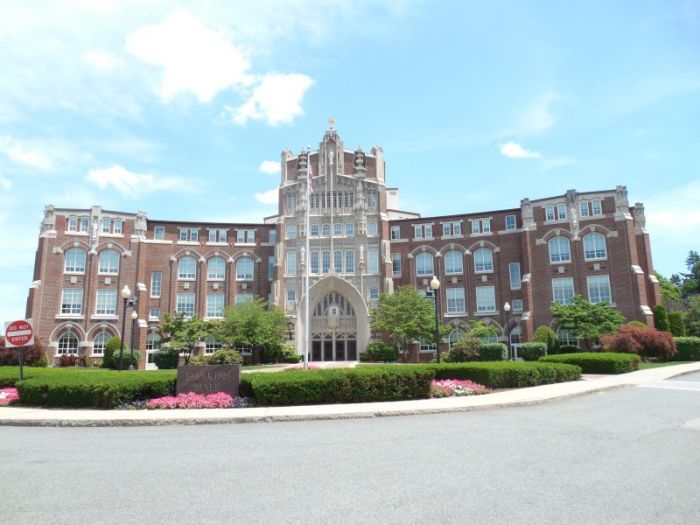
[{"x": 624, "y": 456}]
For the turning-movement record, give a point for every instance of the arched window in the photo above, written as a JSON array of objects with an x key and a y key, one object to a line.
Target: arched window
[
  {"x": 454, "y": 336},
  {"x": 109, "y": 262},
  {"x": 559, "y": 249},
  {"x": 216, "y": 269},
  {"x": 153, "y": 341},
  {"x": 98, "y": 346},
  {"x": 483, "y": 260},
  {"x": 244, "y": 269},
  {"x": 187, "y": 268},
  {"x": 75, "y": 261},
  {"x": 594, "y": 246},
  {"x": 453, "y": 262},
  {"x": 424, "y": 264},
  {"x": 67, "y": 343}
]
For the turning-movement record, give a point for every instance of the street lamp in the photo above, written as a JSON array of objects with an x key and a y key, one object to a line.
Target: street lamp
[
  {"x": 506, "y": 308},
  {"x": 126, "y": 297},
  {"x": 134, "y": 316},
  {"x": 435, "y": 285}
]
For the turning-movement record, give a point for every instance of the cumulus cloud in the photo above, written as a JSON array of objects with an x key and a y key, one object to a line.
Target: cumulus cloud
[
  {"x": 270, "y": 166},
  {"x": 102, "y": 60},
  {"x": 133, "y": 185},
  {"x": 514, "y": 150},
  {"x": 267, "y": 197}
]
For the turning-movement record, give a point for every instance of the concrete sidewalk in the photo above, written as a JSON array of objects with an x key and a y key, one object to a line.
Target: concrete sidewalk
[{"x": 26, "y": 416}]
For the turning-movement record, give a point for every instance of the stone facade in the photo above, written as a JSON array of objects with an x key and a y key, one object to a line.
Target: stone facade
[{"x": 360, "y": 245}]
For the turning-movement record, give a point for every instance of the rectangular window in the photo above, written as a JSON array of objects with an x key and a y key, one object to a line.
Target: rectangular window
[
  {"x": 396, "y": 264},
  {"x": 272, "y": 236},
  {"x": 185, "y": 304},
  {"x": 154, "y": 314},
  {"x": 517, "y": 306},
  {"x": 218, "y": 235},
  {"x": 270, "y": 268},
  {"x": 156, "y": 280},
  {"x": 291, "y": 231},
  {"x": 446, "y": 230},
  {"x": 291, "y": 270},
  {"x": 485, "y": 225},
  {"x": 372, "y": 260},
  {"x": 314, "y": 263},
  {"x": 118, "y": 225},
  {"x": 291, "y": 298},
  {"x": 372, "y": 229},
  {"x": 514, "y": 272},
  {"x": 563, "y": 290},
  {"x": 485, "y": 299},
  {"x": 350, "y": 261},
  {"x": 373, "y": 294},
  {"x": 325, "y": 230},
  {"x": 418, "y": 231},
  {"x": 428, "y": 231},
  {"x": 599, "y": 289},
  {"x": 349, "y": 229},
  {"x": 549, "y": 213},
  {"x": 106, "y": 303},
  {"x": 561, "y": 211},
  {"x": 84, "y": 224},
  {"x": 395, "y": 232},
  {"x": 511, "y": 222},
  {"x": 480, "y": 225},
  {"x": 315, "y": 230},
  {"x": 215, "y": 305},
  {"x": 72, "y": 224},
  {"x": 338, "y": 261},
  {"x": 476, "y": 225},
  {"x": 326, "y": 262},
  {"x": 72, "y": 301},
  {"x": 106, "y": 225},
  {"x": 455, "y": 301},
  {"x": 450, "y": 229},
  {"x": 243, "y": 297},
  {"x": 596, "y": 207},
  {"x": 189, "y": 234},
  {"x": 159, "y": 233},
  {"x": 245, "y": 236},
  {"x": 583, "y": 209},
  {"x": 338, "y": 229}
]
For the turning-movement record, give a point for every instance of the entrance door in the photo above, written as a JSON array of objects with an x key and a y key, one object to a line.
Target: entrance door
[
  {"x": 316, "y": 350},
  {"x": 352, "y": 350},
  {"x": 328, "y": 348},
  {"x": 150, "y": 365},
  {"x": 340, "y": 350}
]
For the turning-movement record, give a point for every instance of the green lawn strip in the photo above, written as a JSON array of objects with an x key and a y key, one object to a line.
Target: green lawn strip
[{"x": 647, "y": 365}]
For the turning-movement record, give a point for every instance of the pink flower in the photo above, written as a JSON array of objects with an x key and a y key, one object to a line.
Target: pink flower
[
  {"x": 8, "y": 396},
  {"x": 192, "y": 400},
  {"x": 455, "y": 387}
]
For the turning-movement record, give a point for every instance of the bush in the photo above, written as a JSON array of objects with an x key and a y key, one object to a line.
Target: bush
[
  {"x": 647, "y": 342},
  {"x": 544, "y": 334},
  {"x": 289, "y": 354},
  {"x": 225, "y": 356},
  {"x": 638, "y": 324},
  {"x": 380, "y": 352},
  {"x": 111, "y": 350},
  {"x": 568, "y": 349},
  {"x": 597, "y": 362},
  {"x": 688, "y": 348},
  {"x": 359, "y": 385},
  {"x": 34, "y": 355},
  {"x": 166, "y": 358},
  {"x": 493, "y": 352},
  {"x": 532, "y": 351},
  {"x": 465, "y": 349},
  {"x": 676, "y": 321},
  {"x": 661, "y": 318}
]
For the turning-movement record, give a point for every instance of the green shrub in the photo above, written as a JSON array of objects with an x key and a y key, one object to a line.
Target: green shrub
[
  {"x": 688, "y": 348},
  {"x": 661, "y": 318},
  {"x": 166, "y": 358},
  {"x": 465, "y": 349},
  {"x": 638, "y": 324},
  {"x": 34, "y": 355},
  {"x": 597, "y": 362},
  {"x": 544, "y": 334},
  {"x": 676, "y": 321},
  {"x": 646, "y": 342},
  {"x": 380, "y": 352},
  {"x": 568, "y": 349},
  {"x": 493, "y": 352},
  {"x": 532, "y": 351},
  {"x": 289, "y": 354},
  {"x": 339, "y": 386},
  {"x": 225, "y": 356}
]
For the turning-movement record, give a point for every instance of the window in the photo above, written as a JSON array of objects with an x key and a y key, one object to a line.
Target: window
[
  {"x": 349, "y": 261},
  {"x": 338, "y": 261},
  {"x": 106, "y": 303},
  {"x": 428, "y": 231},
  {"x": 270, "y": 268},
  {"x": 483, "y": 260},
  {"x": 74, "y": 261},
  {"x": 552, "y": 213},
  {"x": 106, "y": 225},
  {"x": 511, "y": 222},
  {"x": 424, "y": 264},
  {"x": 109, "y": 262},
  {"x": 243, "y": 297},
  {"x": 455, "y": 301},
  {"x": 291, "y": 269},
  {"x": 517, "y": 306},
  {"x": 159, "y": 233},
  {"x": 154, "y": 313},
  {"x": 72, "y": 224},
  {"x": 72, "y": 301},
  {"x": 291, "y": 231},
  {"x": 599, "y": 289},
  {"x": 583, "y": 209},
  {"x": 371, "y": 199},
  {"x": 450, "y": 229},
  {"x": 185, "y": 304},
  {"x": 211, "y": 345},
  {"x": 395, "y": 232},
  {"x": 315, "y": 266},
  {"x": 453, "y": 262},
  {"x": 549, "y": 213},
  {"x": 189, "y": 234},
  {"x": 349, "y": 229},
  {"x": 291, "y": 298},
  {"x": 272, "y": 236},
  {"x": 566, "y": 338},
  {"x": 481, "y": 225},
  {"x": 423, "y": 231},
  {"x": 67, "y": 344},
  {"x": 596, "y": 207},
  {"x": 325, "y": 230},
  {"x": 153, "y": 341},
  {"x": 156, "y": 284},
  {"x": 215, "y": 305},
  {"x": 559, "y": 250},
  {"x": 244, "y": 269},
  {"x": 216, "y": 269},
  {"x": 418, "y": 231},
  {"x": 373, "y": 294},
  {"x": 218, "y": 235},
  {"x": 563, "y": 290},
  {"x": 426, "y": 346},
  {"x": 112, "y": 226},
  {"x": 396, "y": 264},
  {"x": 84, "y": 224},
  {"x": 187, "y": 268},
  {"x": 290, "y": 201},
  {"x": 594, "y": 246},
  {"x": 98, "y": 345},
  {"x": 454, "y": 336},
  {"x": 117, "y": 226},
  {"x": 245, "y": 236},
  {"x": 485, "y": 299},
  {"x": 561, "y": 211},
  {"x": 372, "y": 260},
  {"x": 372, "y": 229},
  {"x": 338, "y": 229},
  {"x": 325, "y": 262},
  {"x": 315, "y": 230},
  {"x": 514, "y": 273}
]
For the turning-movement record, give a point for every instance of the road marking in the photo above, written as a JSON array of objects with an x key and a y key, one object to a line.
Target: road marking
[{"x": 689, "y": 386}]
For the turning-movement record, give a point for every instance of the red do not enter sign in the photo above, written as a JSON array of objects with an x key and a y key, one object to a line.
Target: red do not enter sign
[{"x": 18, "y": 334}]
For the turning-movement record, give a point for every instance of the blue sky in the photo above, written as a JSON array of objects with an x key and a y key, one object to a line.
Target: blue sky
[{"x": 175, "y": 107}]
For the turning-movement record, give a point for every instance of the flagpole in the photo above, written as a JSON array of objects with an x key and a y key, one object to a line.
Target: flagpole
[{"x": 307, "y": 318}]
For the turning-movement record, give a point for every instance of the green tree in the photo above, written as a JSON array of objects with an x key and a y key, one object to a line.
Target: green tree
[
  {"x": 587, "y": 321},
  {"x": 184, "y": 333},
  {"x": 405, "y": 316},
  {"x": 661, "y": 318},
  {"x": 670, "y": 292},
  {"x": 676, "y": 321},
  {"x": 544, "y": 334},
  {"x": 250, "y": 324},
  {"x": 692, "y": 316}
]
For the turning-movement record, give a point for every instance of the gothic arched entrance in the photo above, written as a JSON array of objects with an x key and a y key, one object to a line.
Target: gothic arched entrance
[{"x": 333, "y": 330}]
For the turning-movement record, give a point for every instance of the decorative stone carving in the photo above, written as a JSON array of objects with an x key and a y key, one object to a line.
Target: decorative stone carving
[{"x": 527, "y": 215}]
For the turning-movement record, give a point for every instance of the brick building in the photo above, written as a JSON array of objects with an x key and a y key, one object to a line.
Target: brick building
[{"x": 361, "y": 244}]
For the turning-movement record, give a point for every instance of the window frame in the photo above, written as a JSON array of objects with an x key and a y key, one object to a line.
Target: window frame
[
  {"x": 565, "y": 298},
  {"x": 425, "y": 256},
  {"x": 181, "y": 276}
]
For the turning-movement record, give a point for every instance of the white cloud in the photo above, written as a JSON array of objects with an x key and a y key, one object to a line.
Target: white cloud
[
  {"x": 134, "y": 185},
  {"x": 25, "y": 155},
  {"x": 270, "y": 166},
  {"x": 275, "y": 100},
  {"x": 516, "y": 151},
  {"x": 102, "y": 60},
  {"x": 194, "y": 58},
  {"x": 5, "y": 184},
  {"x": 267, "y": 197}
]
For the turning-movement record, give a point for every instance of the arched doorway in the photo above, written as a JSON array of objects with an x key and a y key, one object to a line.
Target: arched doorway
[{"x": 333, "y": 329}]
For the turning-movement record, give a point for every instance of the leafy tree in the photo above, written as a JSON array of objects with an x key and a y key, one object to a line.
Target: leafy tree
[
  {"x": 184, "y": 333},
  {"x": 586, "y": 320},
  {"x": 676, "y": 321},
  {"x": 692, "y": 316},
  {"x": 405, "y": 316},
  {"x": 646, "y": 342},
  {"x": 670, "y": 291},
  {"x": 467, "y": 347},
  {"x": 692, "y": 259},
  {"x": 544, "y": 334},
  {"x": 661, "y": 318},
  {"x": 250, "y": 324}
]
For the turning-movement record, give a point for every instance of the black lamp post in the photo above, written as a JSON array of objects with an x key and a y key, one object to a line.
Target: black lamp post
[
  {"x": 506, "y": 308},
  {"x": 128, "y": 302},
  {"x": 134, "y": 316},
  {"x": 435, "y": 286}
]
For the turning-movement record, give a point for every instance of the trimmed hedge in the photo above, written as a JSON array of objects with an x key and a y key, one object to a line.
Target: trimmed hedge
[
  {"x": 359, "y": 385},
  {"x": 380, "y": 352},
  {"x": 532, "y": 351},
  {"x": 493, "y": 352},
  {"x": 166, "y": 358},
  {"x": 597, "y": 362},
  {"x": 688, "y": 348}
]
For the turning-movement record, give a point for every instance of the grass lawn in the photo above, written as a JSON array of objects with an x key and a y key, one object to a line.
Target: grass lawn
[
  {"x": 9, "y": 374},
  {"x": 644, "y": 366}
]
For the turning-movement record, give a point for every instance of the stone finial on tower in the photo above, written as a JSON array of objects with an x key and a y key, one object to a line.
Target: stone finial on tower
[
  {"x": 622, "y": 206},
  {"x": 527, "y": 214},
  {"x": 640, "y": 219},
  {"x": 140, "y": 225},
  {"x": 49, "y": 221}
]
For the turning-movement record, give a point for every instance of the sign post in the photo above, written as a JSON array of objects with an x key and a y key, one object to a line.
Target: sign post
[{"x": 19, "y": 334}]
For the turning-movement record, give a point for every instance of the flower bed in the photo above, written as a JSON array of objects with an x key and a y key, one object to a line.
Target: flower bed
[
  {"x": 455, "y": 387},
  {"x": 192, "y": 400},
  {"x": 8, "y": 396}
]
